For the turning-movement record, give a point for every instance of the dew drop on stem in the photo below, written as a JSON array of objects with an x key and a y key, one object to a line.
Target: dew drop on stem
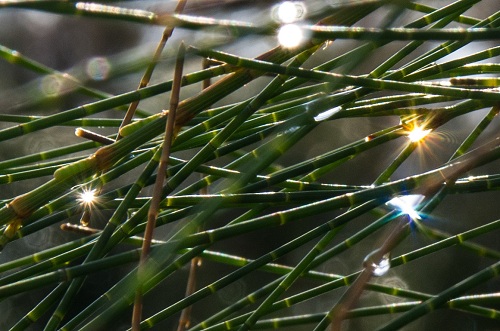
[{"x": 380, "y": 267}]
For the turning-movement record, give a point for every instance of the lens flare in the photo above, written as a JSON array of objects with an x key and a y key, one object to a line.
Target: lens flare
[
  {"x": 290, "y": 35},
  {"x": 407, "y": 204},
  {"x": 418, "y": 133},
  {"x": 98, "y": 68},
  {"x": 87, "y": 197},
  {"x": 289, "y": 12}
]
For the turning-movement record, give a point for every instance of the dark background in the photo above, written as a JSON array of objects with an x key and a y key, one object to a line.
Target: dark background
[{"x": 80, "y": 45}]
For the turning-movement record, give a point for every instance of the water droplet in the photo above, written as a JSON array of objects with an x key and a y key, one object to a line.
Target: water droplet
[
  {"x": 131, "y": 213},
  {"x": 85, "y": 219},
  {"x": 379, "y": 268}
]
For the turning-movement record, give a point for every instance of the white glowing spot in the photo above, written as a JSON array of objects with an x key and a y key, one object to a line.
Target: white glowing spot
[
  {"x": 418, "y": 133},
  {"x": 327, "y": 44},
  {"x": 55, "y": 84},
  {"x": 290, "y": 11},
  {"x": 378, "y": 268},
  {"x": 290, "y": 35},
  {"x": 98, "y": 68},
  {"x": 290, "y": 130},
  {"x": 38, "y": 23},
  {"x": 327, "y": 114},
  {"x": 381, "y": 268},
  {"x": 87, "y": 197},
  {"x": 52, "y": 85},
  {"x": 407, "y": 204}
]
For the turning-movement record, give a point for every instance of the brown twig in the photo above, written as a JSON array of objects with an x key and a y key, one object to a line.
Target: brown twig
[
  {"x": 167, "y": 33},
  {"x": 79, "y": 229},
  {"x": 87, "y": 134},
  {"x": 153, "y": 211},
  {"x": 449, "y": 174},
  {"x": 158, "y": 187},
  {"x": 185, "y": 318},
  {"x": 339, "y": 312}
]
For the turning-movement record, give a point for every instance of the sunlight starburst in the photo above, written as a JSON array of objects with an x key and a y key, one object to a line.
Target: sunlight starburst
[
  {"x": 87, "y": 197},
  {"x": 407, "y": 204},
  {"x": 418, "y": 133}
]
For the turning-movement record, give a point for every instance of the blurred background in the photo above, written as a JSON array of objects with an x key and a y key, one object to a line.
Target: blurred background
[{"x": 112, "y": 55}]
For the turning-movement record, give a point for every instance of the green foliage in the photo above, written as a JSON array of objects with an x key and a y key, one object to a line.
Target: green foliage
[{"x": 285, "y": 197}]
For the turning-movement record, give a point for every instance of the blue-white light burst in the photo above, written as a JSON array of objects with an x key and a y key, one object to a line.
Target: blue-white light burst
[{"x": 407, "y": 204}]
